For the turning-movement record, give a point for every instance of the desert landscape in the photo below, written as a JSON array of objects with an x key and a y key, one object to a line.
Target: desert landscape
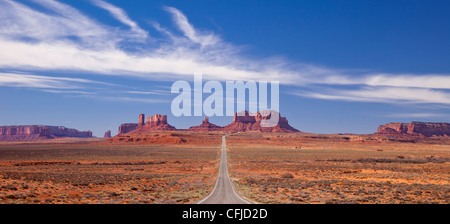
[
  {"x": 225, "y": 102},
  {"x": 311, "y": 168},
  {"x": 157, "y": 163},
  {"x": 68, "y": 172}
]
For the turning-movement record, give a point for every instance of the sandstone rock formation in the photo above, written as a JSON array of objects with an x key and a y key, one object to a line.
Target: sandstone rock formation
[
  {"x": 206, "y": 126},
  {"x": 415, "y": 128},
  {"x": 127, "y": 127},
  {"x": 60, "y": 132},
  {"x": 34, "y": 132},
  {"x": 156, "y": 122},
  {"x": 244, "y": 121},
  {"x": 107, "y": 134},
  {"x": 141, "y": 121}
]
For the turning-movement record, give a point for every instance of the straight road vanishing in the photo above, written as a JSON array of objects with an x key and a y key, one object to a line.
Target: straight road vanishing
[{"x": 223, "y": 192}]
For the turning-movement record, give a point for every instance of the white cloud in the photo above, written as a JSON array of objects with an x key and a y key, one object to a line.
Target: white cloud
[
  {"x": 65, "y": 39},
  {"x": 124, "y": 99},
  {"x": 383, "y": 95},
  {"x": 155, "y": 92},
  {"x": 47, "y": 82},
  {"x": 76, "y": 87},
  {"x": 67, "y": 56},
  {"x": 189, "y": 31},
  {"x": 23, "y": 24},
  {"x": 68, "y": 92},
  {"x": 328, "y": 76},
  {"x": 121, "y": 16},
  {"x": 408, "y": 80},
  {"x": 417, "y": 115}
]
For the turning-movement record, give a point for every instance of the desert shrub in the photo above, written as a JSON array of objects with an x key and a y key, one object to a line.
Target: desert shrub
[
  {"x": 250, "y": 180},
  {"x": 287, "y": 175}
]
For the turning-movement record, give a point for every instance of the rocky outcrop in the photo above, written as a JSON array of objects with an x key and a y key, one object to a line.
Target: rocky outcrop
[
  {"x": 429, "y": 129},
  {"x": 206, "y": 126},
  {"x": 127, "y": 127},
  {"x": 242, "y": 122},
  {"x": 60, "y": 132},
  {"x": 156, "y": 122},
  {"x": 141, "y": 120},
  {"x": 245, "y": 121},
  {"x": 107, "y": 134},
  {"x": 34, "y": 132},
  {"x": 415, "y": 128},
  {"x": 393, "y": 128}
]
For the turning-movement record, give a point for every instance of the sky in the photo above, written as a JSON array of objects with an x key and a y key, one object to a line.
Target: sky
[{"x": 343, "y": 66}]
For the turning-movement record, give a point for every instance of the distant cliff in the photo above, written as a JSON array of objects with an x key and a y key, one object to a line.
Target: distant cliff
[
  {"x": 156, "y": 122},
  {"x": 33, "y": 132},
  {"x": 415, "y": 128},
  {"x": 128, "y": 127},
  {"x": 253, "y": 123}
]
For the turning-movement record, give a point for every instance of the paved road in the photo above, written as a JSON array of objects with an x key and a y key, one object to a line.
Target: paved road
[{"x": 223, "y": 192}]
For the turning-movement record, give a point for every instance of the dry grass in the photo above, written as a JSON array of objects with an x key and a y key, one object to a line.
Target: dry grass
[
  {"x": 106, "y": 173},
  {"x": 338, "y": 171},
  {"x": 266, "y": 168}
]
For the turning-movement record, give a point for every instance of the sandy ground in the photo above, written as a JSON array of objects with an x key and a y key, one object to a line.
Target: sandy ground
[
  {"x": 265, "y": 168},
  {"x": 295, "y": 168},
  {"x": 71, "y": 173}
]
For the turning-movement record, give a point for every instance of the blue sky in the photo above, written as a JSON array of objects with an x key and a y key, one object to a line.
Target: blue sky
[{"x": 343, "y": 66}]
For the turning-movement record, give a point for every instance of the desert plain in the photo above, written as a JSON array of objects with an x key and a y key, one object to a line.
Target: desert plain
[{"x": 181, "y": 167}]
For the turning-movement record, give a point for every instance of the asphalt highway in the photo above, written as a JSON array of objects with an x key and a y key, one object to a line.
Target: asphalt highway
[{"x": 223, "y": 192}]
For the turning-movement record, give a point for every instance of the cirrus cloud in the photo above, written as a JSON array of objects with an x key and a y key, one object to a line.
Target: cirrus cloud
[{"x": 64, "y": 38}]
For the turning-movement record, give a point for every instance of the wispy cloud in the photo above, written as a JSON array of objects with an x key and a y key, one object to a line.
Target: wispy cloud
[
  {"x": 65, "y": 39},
  {"x": 382, "y": 95},
  {"x": 189, "y": 31},
  {"x": 22, "y": 23},
  {"x": 155, "y": 92},
  {"x": 417, "y": 115},
  {"x": 45, "y": 82},
  {"x": 69, "y": 92},
  {"x": 70, "y": 40},
  {"x": 433, "y": 81},
  {"x": 121, "y": 16},
  {"x": 125, "y": 99}
]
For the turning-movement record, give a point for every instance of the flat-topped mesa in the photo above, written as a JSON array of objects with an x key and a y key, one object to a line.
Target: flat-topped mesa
[
  {"x": 206, "y": 126},
  {"x": 127, "y": 127},
  {"x": 429, "y": 129},
  {"x": 415, "y": 128},
  {"x": 245, "y": 121},
  {"x": 156, "y": 120},
  {"x": 153, "y": 123},
  {"x": 244, "y": 117},
  {"x": 61, "y": 132},
  {"x": 34, "y": 132}
]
